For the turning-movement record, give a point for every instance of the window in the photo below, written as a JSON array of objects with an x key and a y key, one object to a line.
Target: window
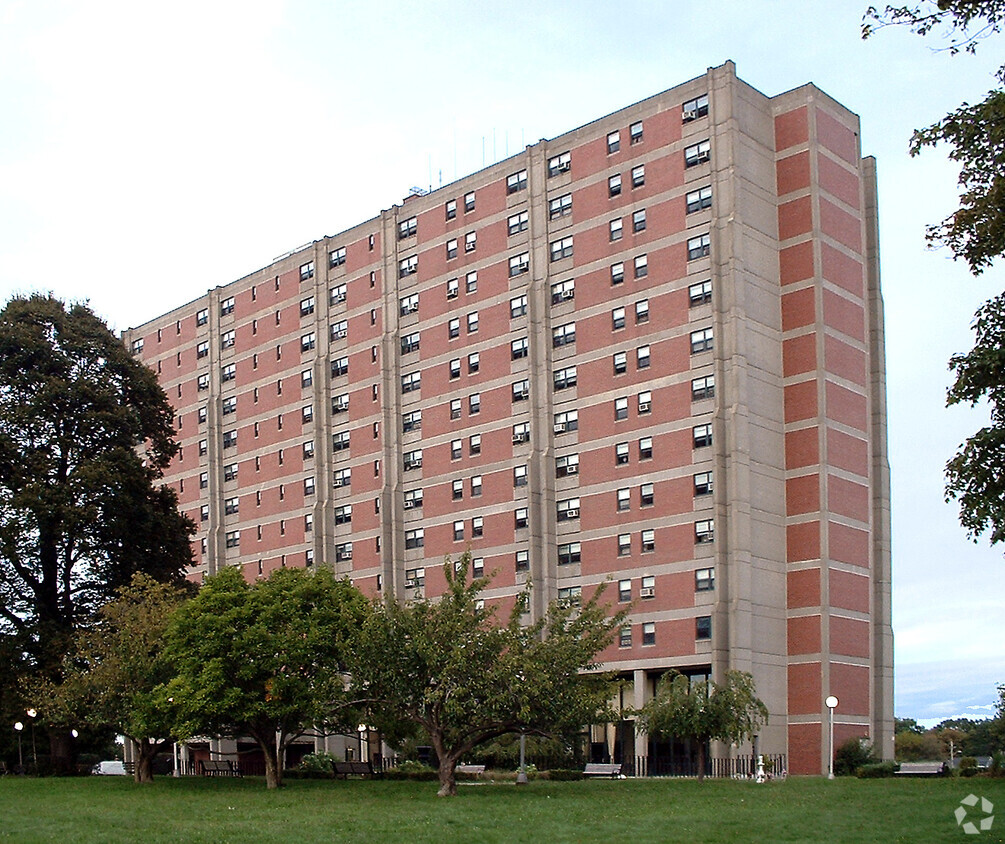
[
  {"x": 699, "y": 247},
  {"x": 337, "y": 294},
  {"x": 411, "y": 421},
  {"x": 306, "y": 378},
  {"x": 701, "y": 341},
  {"x": 307, "y": 342},
  {"x": 567, "y": 509},
  {"x": 704, "y": 580},
  {"x": 566, "y": 421},
  {"x": 309, "y": 486},
  {"x": 451, "y": 248},
  {"x": 646, "y": 495},
  {"x": 203, "y": 413},
  {"x": 229, "y": 439},
  {"x": 455, "y": 368},
  {"x": 413, "y": 498},
  {"x": 642, "y": 266},
  {"x": 470, "y": 241},
  {"x": 413, "y": 459},
  {"x": 228, "y": 372},
  {"x": 457, "y": 490},
  {"x": 450, "y": 208},
  {"x": 560, "y": 206},
  {"x": 648, "y": 543},
  {"x": 518, "y": 223},
  {"x": 517, "y": 307},
  {"x": 516, "y": 182},
  {"x": 563, "y": 291},
  {"x": 521, "y": 433},
  {"x": 564, "y": 378},
  {"x": 704, "y": 531},
  {"x": 641, "y": 311},
  {"x": 455, "y": 449},
  {"x": 227, "y": 306},
  {"x": 638, "y": 176},
  {"x": 620, "y": 454},
  {"x": 336, "y": 258},
  {"x": 408, "y": 266},
  {"x": 621, "y": 408},
  {"x": 458, "y": 531},
  {"x": 649, "y": 633},
  {"x": 521, "y": 518},
  {"x": 307, "y": 306},
  {"x": 340, "y": 366},
  {"x": 703, "y": 388},
  {"x": 204, "y": 513},
  {"x": 307, "y": 271},
  {"x": 561, "y": 249},
  {"x": 617, "y": 272},
  {"x": 409, "y": 304},
  {"x": 697, "y": 153},
  {"x": 411, "y": 381},
  {"x": 469, "y": 202},
  {"x": 308, "y": 450},
  {"x": 625, "y": 637},
  {"x": 521, "y": 390},
  {"x": 233, "y": 539},
  {"x": 340, "y": 403},
  {"x": 474, "y": 403},
  {"x": 231, "y": 506},
  {"x": 613, "y": 142},
  {"x": 617, "y": 318},
  {"x": 703, "y": 483},
  {"x": 698, "y": 199},
  {"x": 202, "y": 350},
  {"x": 614, "y": 185},
  {"x": 203, "y": 480},
  {"x": 642, "y": 357},
  {"x": 414, "y": 539},
  {"x": 566, "y": 465},
  {"x": 407, "y": 228},
  {"x": 229, "y": 405},
  {"x": 569, "y": 554},
  {"x": 522, "y": 560},
  {"x": 646, "y": 448},
  {"x": 202, "y": 317},
  {"x": 645, "y": 401},
  {"x": 472, "y": 322},
  {"x": 477, "y": 566},
  {"x": 519, "y": 264},
  {"x": 564, "y": 335},
  {"x": 571, "y": 595},
  {"x": 625, "y": 550},
  {"x": 340, "y": 441},
  {"x": 700, "y": 293},
  {"x": 520, "y": 475},
  {"x": 476, "y": 485},
  {"x": 702, "y": 435},
  {"x": 410, "y": 343},
  {"x": 620, "y": 362},
  {"x": 560, "y": 164},
  {"x": 703, "y": 627},
  {"x": 477, "y": 526},
  {"x": 624, "y": 588},
  {"x": 343, "y": 551},
  {"x": 693, "y": 109},
  {"x": 475, "y": 444},
  {"x": 616, "y": 229},
  {"x": 203, "y": 447},
  {"x": 639, "y": 221},
  {"x": 624, "y": 499},
  {"x": 454, "y": 328},
  {"x": 635, "y": 132}
]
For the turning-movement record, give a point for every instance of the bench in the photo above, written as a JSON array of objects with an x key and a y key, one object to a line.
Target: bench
[
  {"x": 602, "y": 769},
  {"x": 219, "y": 768},
  {"x": 476, "y": 770},
  {"x": 360, "y": 768}
]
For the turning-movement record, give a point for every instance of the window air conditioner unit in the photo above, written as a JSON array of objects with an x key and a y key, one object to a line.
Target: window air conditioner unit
[
  {"x": 523, "y": 268},
  {"x": 338, "y": 299},
  {"x": 452, "y": 294},
  {"x": 643, "y": 407},
  {"x": 469, "y": 247},
  {"x": 411, "y": 584},
  {"x": 568, "y": 294},
  {"x": 519, "y": 438},
  {"x": 704, "y": 155},
  {"x": 344, "y": 555},
  {"x": 412, "y": 307},
  {"x": 690, "y": 114},
  {"x": 572, "y": 470},
  {"x": 647, "y": 592},
  {"x": 559, "y": 427},
  {"x": 572, "y": 513},
  {"x": 409, "y": 503},
  {"x": 338, "y": 482},
  {"x": 564, "y": 166}
]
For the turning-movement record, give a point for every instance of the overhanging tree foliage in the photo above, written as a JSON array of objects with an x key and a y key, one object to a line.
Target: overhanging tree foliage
[
  {"x": 80, "y": 510},
  {"x": 451, "y": 667},
  {"x": 705, "y": 710},
  {"x": 112, "y": 674},
  {"x": 265, "y": 660}
]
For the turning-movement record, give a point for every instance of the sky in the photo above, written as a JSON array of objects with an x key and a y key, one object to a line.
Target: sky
[{"x": 151, "y": 152}]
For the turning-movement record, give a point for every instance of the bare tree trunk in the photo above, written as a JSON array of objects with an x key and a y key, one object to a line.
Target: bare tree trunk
[
  {"x": 145, "y": 753},
  {"x": 273, "y": 773},
  {"x": 701, "y": 759},
  {"x": 448, "y": 780},
  {"x": 61, "y": 750}
]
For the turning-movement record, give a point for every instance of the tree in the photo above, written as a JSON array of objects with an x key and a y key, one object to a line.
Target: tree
[
  {"x": 450, "y": 667},
  {"x": 265, "y": 660},
  {"x": 705, "y": 710},
  {"x": 80, "y": 507},
  {"x": 112, "y": 674}
]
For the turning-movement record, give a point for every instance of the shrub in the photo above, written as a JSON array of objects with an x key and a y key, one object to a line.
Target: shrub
[
  {"x": 997, "y": 768},
  {"x": 968, "y": 766},
  {"x": 852, "y": 755},
  {"x": 565, "y": 774},
  {"x": 876, "y": 770},
  {"x": 316, "y": 765}
]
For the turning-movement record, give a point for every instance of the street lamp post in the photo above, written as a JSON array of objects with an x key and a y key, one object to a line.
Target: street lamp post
[
  {"x": 831, "y": 704},
  {"x": 521, "y": 777},
  {"x": 18, "y": 726},
  {"x": 31, "y": 713}
]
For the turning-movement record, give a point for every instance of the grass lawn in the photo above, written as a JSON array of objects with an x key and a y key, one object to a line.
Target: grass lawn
[{"x": 190, "y": 810}]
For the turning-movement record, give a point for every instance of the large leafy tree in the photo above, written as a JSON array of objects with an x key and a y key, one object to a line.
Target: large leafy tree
[
  {"x": 85, "y": 434},
  {"x": 975, "y": 233},
  {"x": 450, "y": 667},
  {"x": 265, "y": 660},
  {"x": 112, "y": 674},
  {"x": 704, "y": 710}
]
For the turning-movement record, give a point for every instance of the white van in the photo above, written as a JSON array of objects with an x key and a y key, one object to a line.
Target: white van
[{"x": 111, "y": 768}]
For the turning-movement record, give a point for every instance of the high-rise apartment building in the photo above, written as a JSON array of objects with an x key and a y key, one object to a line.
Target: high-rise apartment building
[{"x": 648, "y": 351}]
